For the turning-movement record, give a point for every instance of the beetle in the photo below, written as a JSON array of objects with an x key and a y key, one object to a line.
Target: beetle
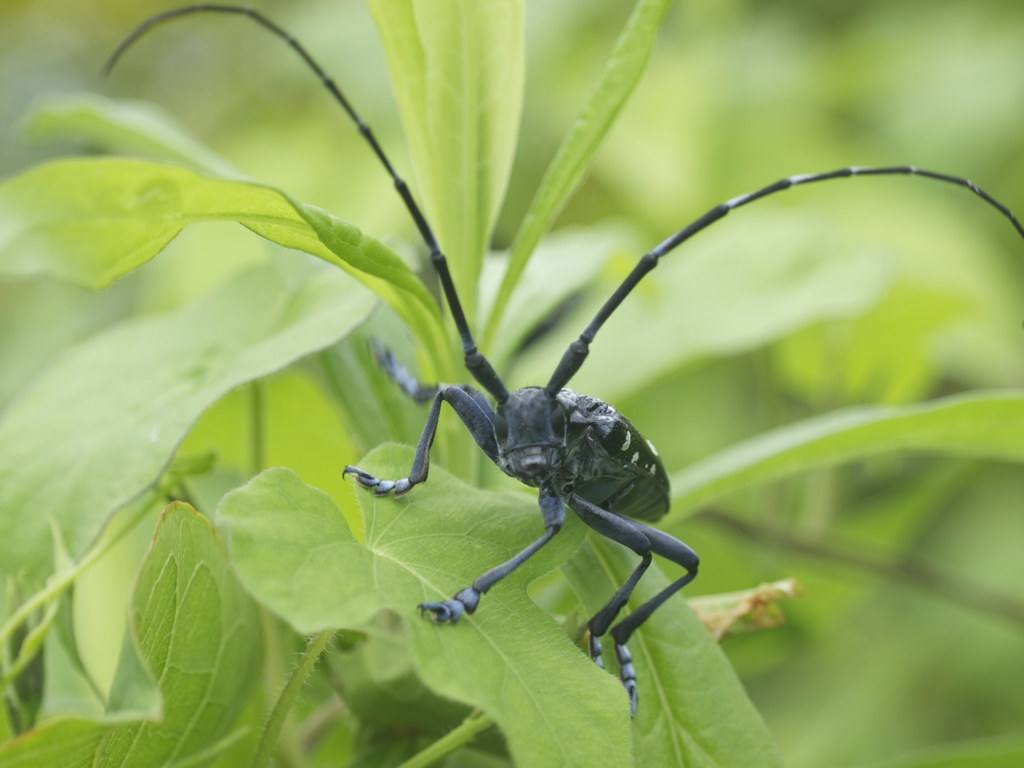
[{"x": 577, "y": 450}]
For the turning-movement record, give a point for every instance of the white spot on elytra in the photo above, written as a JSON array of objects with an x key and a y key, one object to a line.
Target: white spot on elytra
[
  {"x": 636, "y": 458},
  {"x": 651, "y": 446},
  {"x": 625, "y": 445},
  {"x": 651, "y": 468},
  {"x": 154, "y": 433}
]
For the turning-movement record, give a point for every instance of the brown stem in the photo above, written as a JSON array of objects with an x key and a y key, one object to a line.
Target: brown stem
[{"x": 906, "y": 570}]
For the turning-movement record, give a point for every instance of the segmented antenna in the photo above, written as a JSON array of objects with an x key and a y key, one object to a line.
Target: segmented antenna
[
  {"x": 477, "y": 364},
  {"x": 579, "y": 349}
]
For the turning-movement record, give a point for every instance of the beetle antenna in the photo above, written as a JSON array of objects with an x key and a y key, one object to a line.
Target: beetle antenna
[
  {"x": 578, "y": 349},
  {"x": 477, "y": 364}
]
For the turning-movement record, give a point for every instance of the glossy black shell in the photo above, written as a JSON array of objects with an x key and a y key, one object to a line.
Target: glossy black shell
[{"x": 608, "y": 462}]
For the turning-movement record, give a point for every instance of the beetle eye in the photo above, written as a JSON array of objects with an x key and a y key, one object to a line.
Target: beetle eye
[
  {"x": 500, "y": 428},
  {"x": 557, "y": 419}
]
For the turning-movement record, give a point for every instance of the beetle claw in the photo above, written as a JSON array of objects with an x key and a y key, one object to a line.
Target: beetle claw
[
  {"x": 375, "y": 484},
  {"x": 451, "y": 611}
]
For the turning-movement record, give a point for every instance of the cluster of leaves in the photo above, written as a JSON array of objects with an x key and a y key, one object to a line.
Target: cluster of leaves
[{"x": 109, "y": 430}]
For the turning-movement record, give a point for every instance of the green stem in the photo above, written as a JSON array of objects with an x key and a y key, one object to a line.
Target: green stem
[
  {"x": 31, "y": 646},
  {"x": 59, "y": 582},
  {"x": 451, "y": 741},
  {"x": 288, "y": 696},
  {"x": 257, "y": 428}
]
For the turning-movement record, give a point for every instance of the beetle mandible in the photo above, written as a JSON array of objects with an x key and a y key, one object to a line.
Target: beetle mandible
[{"x": 578, "y": 451}]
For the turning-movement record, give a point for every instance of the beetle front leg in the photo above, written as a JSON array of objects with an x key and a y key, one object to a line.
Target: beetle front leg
[
  {"x": 465, "y": 601},
  {"x": 468, "y": 408}
]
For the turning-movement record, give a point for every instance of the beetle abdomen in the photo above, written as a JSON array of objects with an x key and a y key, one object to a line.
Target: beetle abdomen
[{"x": 610, "y": 463}]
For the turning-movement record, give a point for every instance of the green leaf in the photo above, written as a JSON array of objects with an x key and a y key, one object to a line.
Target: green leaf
[
  {"x": 735, "y": 289},
  {"x": 100, "y": 425},
  {"x": 91, "y": 221},
  {"x": 294, "y": 552},
  {"x": 576, "y": 154},
  {"x": 458, "y": 68},
  {"x": 193, "y": 629},
  {"x": 125, "y": 127},
  {"x": 986, "y": 424},
  {"x": 692, "y": 708}
]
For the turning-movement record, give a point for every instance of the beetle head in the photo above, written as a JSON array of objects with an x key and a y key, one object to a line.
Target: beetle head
[{"x": 530, "y": 430}]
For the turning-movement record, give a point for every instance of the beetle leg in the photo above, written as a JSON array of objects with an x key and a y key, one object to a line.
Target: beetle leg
[
  {"x": 553, "y": 509},
  {"x": 478, "y": 421},
  {"x": 413, "y": 387},
  {"x": 398, "y": 373},
  {"x": 628, "y": 533},
  {"x": 643, "y": 540},
  {"x": 672, "y": 549}
]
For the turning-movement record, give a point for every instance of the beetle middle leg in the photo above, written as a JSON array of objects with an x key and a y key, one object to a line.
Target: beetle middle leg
[{"x": 645, "y": 541}]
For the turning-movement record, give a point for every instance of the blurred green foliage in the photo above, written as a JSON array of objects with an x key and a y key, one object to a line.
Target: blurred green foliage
[{"x": 886, "y": 291}]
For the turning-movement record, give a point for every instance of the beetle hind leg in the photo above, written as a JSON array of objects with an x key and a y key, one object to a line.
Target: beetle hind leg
[{"x": 645, "y": 541}]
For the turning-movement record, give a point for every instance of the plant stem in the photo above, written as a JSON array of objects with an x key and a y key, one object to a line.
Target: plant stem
[
  {"x": 257, "y": 428},
  {"x": 906, "y": 570},
  {"x": 288, "y": 696},
  {"x": 451, "y": 741},
  {"x": 30, "y": 647},
  {"x": 59, "y": 582}
]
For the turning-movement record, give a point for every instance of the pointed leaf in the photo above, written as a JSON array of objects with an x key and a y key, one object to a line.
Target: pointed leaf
[
  {"x": 579, "y": 148},
  {"x": 294, "y": 552},
  {"x": 985, "y": 424},
  {"x": 101, "y": 424},
  {"x": 458, "y": 68}
]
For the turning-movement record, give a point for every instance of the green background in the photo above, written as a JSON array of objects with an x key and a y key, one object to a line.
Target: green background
[{"x": 868, "y": 291}]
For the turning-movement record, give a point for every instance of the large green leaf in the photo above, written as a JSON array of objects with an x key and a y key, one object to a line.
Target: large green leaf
[
  {"x": 91, "y": 221},
  {"x": 100, "y": 425},
  {"x": 692, "y": 708},
  {"x": 193, "y": 629},
  {"x": 578, "y": 149},
  {"x": 294, "y": 552},
  {"x": 985, "y": 424},
  {"x": 458, "y": 67}
]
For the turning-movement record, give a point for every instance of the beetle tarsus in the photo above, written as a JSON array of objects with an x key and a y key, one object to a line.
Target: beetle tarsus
[
  {"x": 627, "y": 675},
  {"x": 451, "y": 611},
  {"x": 595, "y": 651},
  {"x": 378, "y": 486}
]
